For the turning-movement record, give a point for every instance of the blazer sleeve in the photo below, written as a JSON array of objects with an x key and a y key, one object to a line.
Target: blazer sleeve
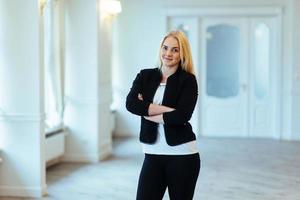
[
  {"x": 133, "y": 104},
  {"x": 186, "y": 104}
]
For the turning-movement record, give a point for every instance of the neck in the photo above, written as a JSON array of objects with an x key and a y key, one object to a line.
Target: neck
[{"x": 168, "y": 71}]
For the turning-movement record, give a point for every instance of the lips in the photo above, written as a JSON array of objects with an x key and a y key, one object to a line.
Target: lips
[{"x": 167, "y": 59}]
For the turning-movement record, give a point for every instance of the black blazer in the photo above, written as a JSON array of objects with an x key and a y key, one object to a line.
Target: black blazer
[{"x": 181, "y": 93}]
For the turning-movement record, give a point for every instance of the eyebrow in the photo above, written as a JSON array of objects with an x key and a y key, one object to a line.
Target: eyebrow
[{"x": 169, "y": 46}]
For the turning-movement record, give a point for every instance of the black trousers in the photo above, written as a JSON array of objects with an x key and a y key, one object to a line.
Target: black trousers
[{"x": 178, "y": 173}]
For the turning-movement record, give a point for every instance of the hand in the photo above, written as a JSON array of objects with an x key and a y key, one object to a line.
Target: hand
[
  {"x": 140, "y": 97},
  {"x": 155, "y": 118},
  {"x": 147, "y": 117}
]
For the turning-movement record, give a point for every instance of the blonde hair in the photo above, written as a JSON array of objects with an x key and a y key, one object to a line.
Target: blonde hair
[{"x": 186, "y": 60}]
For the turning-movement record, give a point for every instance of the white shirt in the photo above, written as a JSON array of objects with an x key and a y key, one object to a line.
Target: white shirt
[{"x": 161, "y": 147}]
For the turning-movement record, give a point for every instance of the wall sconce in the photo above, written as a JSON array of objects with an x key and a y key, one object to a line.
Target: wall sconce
[
  {"x": 42, "y": 5},
  {"x": 111, "y": 7}
]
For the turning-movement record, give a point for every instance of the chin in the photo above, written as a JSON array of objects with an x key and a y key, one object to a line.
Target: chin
[{"x": 171, "y": 66}]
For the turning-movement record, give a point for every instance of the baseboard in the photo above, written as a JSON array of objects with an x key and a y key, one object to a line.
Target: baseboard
[
  {"x": 90, "y": 158},
  {"x": 105, "y": 151},
  {"x": 295, "y": 137},
  {"x": 54, "y": 161},
  {"x": 290, "y": 136},
  {"x": 35, "y": 192},
  {"x": 123, "y": 134}
]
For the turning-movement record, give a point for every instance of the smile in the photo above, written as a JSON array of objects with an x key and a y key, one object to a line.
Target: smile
[{"x": 167, "y": 59}]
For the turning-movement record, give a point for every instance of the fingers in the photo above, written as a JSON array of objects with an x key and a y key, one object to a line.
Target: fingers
[{"x": 140, "y": 97}]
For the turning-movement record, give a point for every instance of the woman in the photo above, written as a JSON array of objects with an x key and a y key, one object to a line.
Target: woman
[{"x": 165, "y": 98}]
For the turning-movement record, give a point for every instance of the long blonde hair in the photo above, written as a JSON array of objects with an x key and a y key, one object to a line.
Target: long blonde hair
[{"x": 186, "y": 60}]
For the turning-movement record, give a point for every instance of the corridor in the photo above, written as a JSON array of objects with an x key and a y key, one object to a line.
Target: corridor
[{"x": 232, "y": 169}]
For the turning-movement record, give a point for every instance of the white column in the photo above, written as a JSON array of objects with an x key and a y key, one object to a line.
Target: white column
[
  {"x": 87, "y": 76},
  {"x": 22, "y": 172},
  {"x": 106, "y": 118}
]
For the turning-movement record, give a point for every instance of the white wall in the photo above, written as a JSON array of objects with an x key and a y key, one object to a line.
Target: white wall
[
  {"x": 141, "y": 26},
  {"x": 88, "y": 89},
  {"x": 22, "y": 172},
  {"x": 138, "y": 33},
  {"x": 296, "y": 70}
]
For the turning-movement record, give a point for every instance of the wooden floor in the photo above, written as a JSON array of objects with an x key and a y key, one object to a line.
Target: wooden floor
[{"x": 232, "y": 169}]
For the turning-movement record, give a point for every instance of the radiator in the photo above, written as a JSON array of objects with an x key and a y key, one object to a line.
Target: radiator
[{"x": 55, "y": 148}]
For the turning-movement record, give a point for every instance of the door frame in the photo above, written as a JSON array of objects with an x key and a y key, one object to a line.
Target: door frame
[{"x": 226, "y": 11}]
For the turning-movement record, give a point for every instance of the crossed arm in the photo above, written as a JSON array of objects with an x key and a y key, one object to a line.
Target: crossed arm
[
  {"x": 160, "y": 113},
  {"x": 155, "y": 111}
]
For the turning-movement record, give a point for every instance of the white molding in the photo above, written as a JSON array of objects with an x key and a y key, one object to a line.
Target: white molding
[
  {"x": 22, "y": 117},
  {"x": 223, "y": 11},
  {"x": 10, "y": 191}
]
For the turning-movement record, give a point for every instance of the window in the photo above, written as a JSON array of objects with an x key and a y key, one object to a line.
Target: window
[{"x": 53, "y": 66}]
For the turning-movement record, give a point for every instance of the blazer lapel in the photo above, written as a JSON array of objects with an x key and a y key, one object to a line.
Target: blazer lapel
[
  {"x": 172, "y": 87},
  {"x": 153, "y": 84}
]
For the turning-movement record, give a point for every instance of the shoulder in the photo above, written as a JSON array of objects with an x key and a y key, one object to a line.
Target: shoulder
[
  {"x": 149, "y": 70},
  {"x": 149, "y": 73},
  {"x": 186, "y": 76}
]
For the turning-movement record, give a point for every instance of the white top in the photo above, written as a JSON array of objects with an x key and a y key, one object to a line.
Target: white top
[{"x": 160, "y": 146}]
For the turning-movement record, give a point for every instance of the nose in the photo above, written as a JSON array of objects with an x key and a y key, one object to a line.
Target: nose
[{"x": 169, "y": 52}]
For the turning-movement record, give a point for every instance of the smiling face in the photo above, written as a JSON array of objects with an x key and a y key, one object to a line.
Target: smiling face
[{"x": 170, "y": 52}]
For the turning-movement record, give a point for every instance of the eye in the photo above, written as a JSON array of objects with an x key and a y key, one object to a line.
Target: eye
[
  {"x": 165, "y": 48},
  {"x": 175, "y": 50}
]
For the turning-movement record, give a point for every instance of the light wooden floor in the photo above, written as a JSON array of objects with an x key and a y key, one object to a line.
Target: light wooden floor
[{"x": 232, "y": 169}]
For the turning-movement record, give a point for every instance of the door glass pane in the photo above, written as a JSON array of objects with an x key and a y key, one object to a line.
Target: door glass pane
[
  {"x": 223, "y": 46},
  {"x": 261, "y": 60}
]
